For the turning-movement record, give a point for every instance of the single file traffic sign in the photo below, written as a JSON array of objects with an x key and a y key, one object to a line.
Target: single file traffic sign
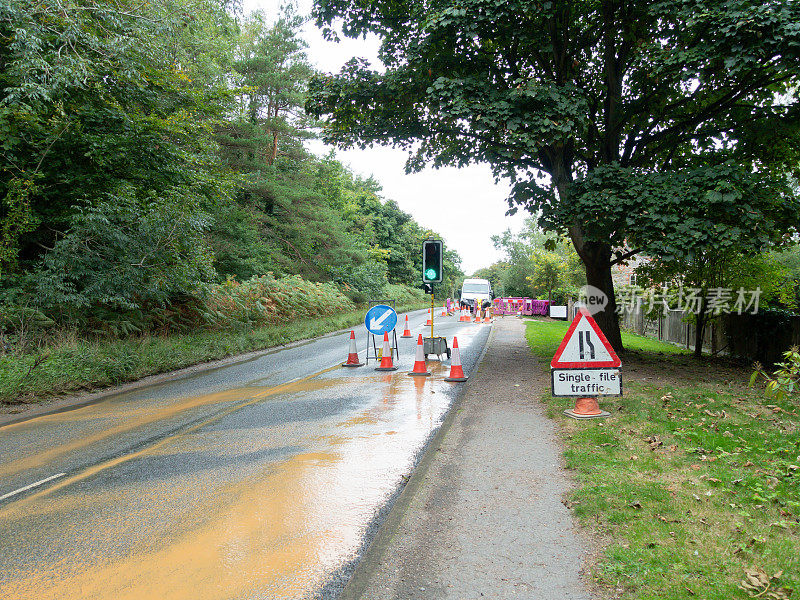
[
  {"x": 380, "y": 319},
  {"x": 584, "y": 346},
  {"x": 586, "y": 382}
]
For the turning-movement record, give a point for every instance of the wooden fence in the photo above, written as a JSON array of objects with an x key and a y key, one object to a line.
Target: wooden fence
[{"x": 748, "y": 337}]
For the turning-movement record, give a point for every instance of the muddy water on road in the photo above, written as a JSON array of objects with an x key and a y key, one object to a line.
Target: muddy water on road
[{"x": 236, "y": 507}]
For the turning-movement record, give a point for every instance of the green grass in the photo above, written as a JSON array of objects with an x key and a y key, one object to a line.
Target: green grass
[
  {"x": 72, "y": 365},
  {"x": 545, "y": 336},
  {"x": 692, "y": 481}
]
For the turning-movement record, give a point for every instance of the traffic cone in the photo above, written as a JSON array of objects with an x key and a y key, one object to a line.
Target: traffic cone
[
  {"x": 444, "y": 312},
  {"x": 406, "y": 331},
  {"x": 429, "y": 322},
  {"x": 477, "y": 314},
  {"x": 420, "y": 368},
  {"x": 586, "y": 408},
  {"x": 464, "y": 315},
  {"x": 488, "y": 317},
  {"x": 386, "y": 356},
  {"x": 352, "y": 357},
  {"x": 456, "y": 372}
]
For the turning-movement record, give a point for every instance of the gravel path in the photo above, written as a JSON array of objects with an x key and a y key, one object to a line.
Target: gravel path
[{"x": 482, "y": 515}]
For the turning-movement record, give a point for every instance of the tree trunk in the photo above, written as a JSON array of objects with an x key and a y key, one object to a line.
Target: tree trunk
[
  {"x": 597, "y": 259},
  {"x": 700, "y": 329},
  {"x": 596, "y": 256},
  {"x": 272, "y": 152}
]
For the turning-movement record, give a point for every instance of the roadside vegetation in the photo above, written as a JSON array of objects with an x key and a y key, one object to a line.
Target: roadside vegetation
[
  {"x": 71, "y": 363},
  {"x": 158, "y": 206},
  {"x": 692, "y": 486}
]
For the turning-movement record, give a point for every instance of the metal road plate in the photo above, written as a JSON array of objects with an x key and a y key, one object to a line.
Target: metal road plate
[
  {"x": 586, "y": 382},
  {"x": 380, "y": 319}
]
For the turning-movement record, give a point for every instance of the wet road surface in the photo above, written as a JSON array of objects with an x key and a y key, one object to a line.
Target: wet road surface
[{"x": 255, "y": 480}]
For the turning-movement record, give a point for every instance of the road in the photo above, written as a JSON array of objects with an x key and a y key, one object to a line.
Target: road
[{"x": 260, "y": 479}]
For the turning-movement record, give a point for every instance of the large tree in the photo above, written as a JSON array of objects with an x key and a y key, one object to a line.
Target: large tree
[{"x": 575, "y": 100}]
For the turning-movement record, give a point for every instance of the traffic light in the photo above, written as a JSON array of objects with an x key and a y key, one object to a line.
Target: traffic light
[{"x": 432, "y": 270}]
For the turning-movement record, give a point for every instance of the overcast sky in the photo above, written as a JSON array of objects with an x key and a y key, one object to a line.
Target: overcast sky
[{"x": 464, "y": 205}]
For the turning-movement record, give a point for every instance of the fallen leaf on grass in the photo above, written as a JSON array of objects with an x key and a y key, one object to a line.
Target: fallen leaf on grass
[
  {"x": 636, "y": 504},
  {"x": 758, "y": 584}
]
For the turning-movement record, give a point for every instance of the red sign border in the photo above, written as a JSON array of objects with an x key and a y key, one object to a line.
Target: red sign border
[{"x": 555, "y": 363}]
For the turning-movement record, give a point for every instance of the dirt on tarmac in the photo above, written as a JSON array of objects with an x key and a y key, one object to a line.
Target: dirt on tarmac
[{"x": 482, "y": 516}]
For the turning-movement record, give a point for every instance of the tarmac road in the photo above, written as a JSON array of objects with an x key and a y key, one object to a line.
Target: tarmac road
[{"x": 260, "y": 479}]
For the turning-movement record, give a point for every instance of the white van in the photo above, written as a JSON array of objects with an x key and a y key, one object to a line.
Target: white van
[{"x": 476, "y": 291}]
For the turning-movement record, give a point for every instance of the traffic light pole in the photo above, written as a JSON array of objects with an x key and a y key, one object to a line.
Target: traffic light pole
[{"x": 431, "y": 312}]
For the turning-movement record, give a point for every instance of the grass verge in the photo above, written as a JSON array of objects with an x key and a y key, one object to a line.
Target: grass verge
[
  {"x": 74, "y": 365},
  {"x": 692, "y": 484}
]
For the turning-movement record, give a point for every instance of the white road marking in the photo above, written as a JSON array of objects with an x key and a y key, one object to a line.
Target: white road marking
[{"x": 33, "y": 485}]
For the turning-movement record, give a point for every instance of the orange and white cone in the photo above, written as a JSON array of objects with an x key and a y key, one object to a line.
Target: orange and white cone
[
  {"x": 444, "y": 312},
  {"x": 477, "y": 314},
  {"x": 429, "y": 322},
  {"x": 456, "y": 372},
  {"x": 352, "y": 356},
  {"x": 420, "y": 368},
  {"x": 386, "y": 356},
  {"x": 406, "y": 331},
  {"x": 488, "y": 317},
  {"x": 464, "y": 315}
]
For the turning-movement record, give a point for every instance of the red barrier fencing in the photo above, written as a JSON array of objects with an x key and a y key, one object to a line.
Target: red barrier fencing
[{"x": 520, "y": 306}]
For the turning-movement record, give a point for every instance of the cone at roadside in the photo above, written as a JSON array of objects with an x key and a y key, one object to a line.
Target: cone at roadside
[
  {"x": 429, "y": 322},
  {"x": 386, "y": 356},
  {"x": 488, "y": 316},
  {"x": 586, "y": 408},
  {"x": 456, "y": 371},
  {"x": 406, "y": 331},
  {"x": 477, "y": 313},
  {"x": 352, "y": 356},
  {"x": 420, "y": 368},
  {"x": 444, "y": 312},
  {"x": 464, "y": 315}
]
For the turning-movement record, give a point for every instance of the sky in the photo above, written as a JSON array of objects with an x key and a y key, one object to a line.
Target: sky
[{"x": 464, "y": 205}]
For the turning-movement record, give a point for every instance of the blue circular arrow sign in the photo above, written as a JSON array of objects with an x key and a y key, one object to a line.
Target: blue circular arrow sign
[{"x": 380, "y": 319}]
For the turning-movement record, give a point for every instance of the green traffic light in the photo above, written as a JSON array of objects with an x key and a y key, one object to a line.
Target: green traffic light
[{"x": 430, "y": 274}]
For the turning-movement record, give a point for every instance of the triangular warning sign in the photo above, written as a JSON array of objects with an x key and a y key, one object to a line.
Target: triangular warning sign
[{"x": 584, "y": 346}]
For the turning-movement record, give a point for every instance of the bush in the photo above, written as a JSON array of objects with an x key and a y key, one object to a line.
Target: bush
[
  {"x": 362, "y": 282},
  {"x": 126, "y": 254},
  {"x": 267, "y": 300}
]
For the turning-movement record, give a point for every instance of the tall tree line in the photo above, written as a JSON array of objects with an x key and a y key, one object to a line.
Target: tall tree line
[{"x": 149, "y": 149}]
